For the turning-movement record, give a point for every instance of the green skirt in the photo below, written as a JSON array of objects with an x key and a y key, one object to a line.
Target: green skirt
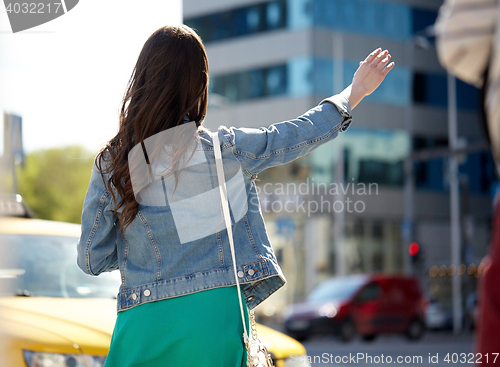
[{"x": 198, "y": 329}]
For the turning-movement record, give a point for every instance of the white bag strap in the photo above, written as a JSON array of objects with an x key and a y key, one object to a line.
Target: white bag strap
[{"x": 227, "y": 218}]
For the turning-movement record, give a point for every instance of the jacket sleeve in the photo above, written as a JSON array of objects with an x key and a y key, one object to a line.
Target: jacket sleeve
[
  {"x": 286, "y": 141},
  {"x": 465, "y": 30},
  {"x": 97, "y": 250}
]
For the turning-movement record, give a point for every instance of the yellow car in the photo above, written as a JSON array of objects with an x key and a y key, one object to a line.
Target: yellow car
[{"x": 52, "y": 314}]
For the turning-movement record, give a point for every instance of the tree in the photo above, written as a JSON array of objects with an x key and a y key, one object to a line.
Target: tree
[{"x": 54, "y": 181}]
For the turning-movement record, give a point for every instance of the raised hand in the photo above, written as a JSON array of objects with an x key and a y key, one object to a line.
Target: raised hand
[
  {"x": 372, "y": 71},
  {"x": 369, "y": 76}
]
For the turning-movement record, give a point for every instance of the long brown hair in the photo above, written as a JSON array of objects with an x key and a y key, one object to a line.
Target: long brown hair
[{"x": 169, "y": 81}]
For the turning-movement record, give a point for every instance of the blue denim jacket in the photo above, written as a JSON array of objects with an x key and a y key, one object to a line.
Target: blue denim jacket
[{"x": 155, "y": 264}]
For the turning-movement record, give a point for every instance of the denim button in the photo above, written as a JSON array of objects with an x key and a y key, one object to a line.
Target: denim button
[
  {"x": 345, "y": 125},
  {"x": 134, "y": 296},
  {"x": 240, "y": 274},
  {"x": 147, "y": 292},
  {"x": 251, "y": 272}
]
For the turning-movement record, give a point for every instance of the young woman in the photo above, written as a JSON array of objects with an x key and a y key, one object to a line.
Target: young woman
[{"x": 164, "y": 232}]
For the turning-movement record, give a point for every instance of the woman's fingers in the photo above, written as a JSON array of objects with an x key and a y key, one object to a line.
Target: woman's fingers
[
  {"x": 380, "y": 57},
  {"x": 388, "y": 68},
  {"x": 384, "y": 62},
  {"x": 373, "y": 55}
]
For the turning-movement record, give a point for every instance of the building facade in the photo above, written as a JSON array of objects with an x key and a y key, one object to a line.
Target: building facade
[{"x": 355, "y": 204}]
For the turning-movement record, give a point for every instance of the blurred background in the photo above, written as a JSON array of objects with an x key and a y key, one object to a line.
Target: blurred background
[{"x": 271, "y": 60}]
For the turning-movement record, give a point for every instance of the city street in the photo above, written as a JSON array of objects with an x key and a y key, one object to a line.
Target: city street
[{"x": 444, "y": 349}]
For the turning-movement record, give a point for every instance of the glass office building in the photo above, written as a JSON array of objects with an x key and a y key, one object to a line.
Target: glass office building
[{"x": 272, "y": 60}]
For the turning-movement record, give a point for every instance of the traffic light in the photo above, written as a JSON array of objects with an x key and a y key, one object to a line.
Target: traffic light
[{"x": 414, "y": 251}]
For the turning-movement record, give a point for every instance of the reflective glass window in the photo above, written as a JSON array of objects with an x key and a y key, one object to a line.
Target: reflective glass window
[
  {"x": 249, "y": 84},
  {"x": 300, "y": 76},
  {"x": 385, "y": 19},
  {"x": 275, "y": 17},
  {"x": 253, "y": 19},
  {"x": 479, "y": 170},
  {"x": 432, "y": 89},
  {"x": 299, "y": 14},
  {"x": 429, "y": 174},
  {"x": 372, "y": 17},
  {"x": 468, "y": 96},
  {"x": 240, "y": 21},
  {"x": 305, "y": 76},
  {"x": 276, "y": 80},
  {"x": 371, "y": 156},
  {"x": 422, "y": 18}
]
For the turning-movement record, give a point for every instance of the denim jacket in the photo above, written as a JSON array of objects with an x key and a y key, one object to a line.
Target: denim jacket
[{"x": 156, "y": 261}]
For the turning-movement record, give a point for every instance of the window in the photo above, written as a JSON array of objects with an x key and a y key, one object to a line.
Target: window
[
  {"x": 432, "y": 90},
  {"x": 422, "y": 18},
  {"x": 275, "y": 17},
  {"x": 45, "y": 266},
  {"x": 250, "y": 84},
  {"x": 370, "y": 17},
  {"x": 240, "y": 22},
  {"x": 370, "y": 293},
  {"x": 276, "y": 80},
  {"x": 383, "y": 173},
  {"x": 429, "y": 175},
  {"x": 372, "y": 156},
  {"x": 383, "y": 19},
  {"x": 253, "y": 19},
  {"x": 479, "y": 169}
]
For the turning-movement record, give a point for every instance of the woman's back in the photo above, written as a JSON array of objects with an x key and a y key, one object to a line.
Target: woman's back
[{"x": 177, "y": 243}]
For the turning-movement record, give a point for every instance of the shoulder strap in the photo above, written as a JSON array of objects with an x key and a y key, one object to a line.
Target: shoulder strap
[{"x": 227, "y": 218}]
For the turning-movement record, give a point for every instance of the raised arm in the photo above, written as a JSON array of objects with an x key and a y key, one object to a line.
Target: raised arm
[{"x": 280, "y": 143}]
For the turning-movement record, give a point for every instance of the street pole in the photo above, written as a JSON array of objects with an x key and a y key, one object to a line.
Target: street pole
[
  {"x": 407, "y": 230},
  {"x": 454, "y": 203},
  {"x": 339, "y": 215}
]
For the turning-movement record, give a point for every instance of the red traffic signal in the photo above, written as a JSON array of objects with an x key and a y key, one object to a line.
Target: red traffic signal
[{"x": 413, "y": 249}]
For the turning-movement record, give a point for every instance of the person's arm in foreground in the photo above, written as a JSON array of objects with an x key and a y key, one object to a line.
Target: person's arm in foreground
[{"x": 280, "y": 143}]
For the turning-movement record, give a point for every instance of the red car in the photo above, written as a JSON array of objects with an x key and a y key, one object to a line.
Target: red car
[{"x": 360, "y": 304}]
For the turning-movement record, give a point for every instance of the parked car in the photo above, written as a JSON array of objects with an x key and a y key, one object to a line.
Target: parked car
[
  {"x": 52, "y": 314},
  {"x": 436, "y": 317},
  {"x": 367, "y": 305},
  {"x": 439, "y": 317}
]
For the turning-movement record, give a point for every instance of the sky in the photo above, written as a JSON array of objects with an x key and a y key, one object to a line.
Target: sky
[{"x": 67, "y": 77}]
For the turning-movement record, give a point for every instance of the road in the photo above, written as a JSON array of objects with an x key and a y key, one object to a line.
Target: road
[{"x": 437, "y": 349}]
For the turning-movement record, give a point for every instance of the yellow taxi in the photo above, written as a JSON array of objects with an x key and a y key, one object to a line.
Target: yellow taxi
[{"x": 54, "y": 315}]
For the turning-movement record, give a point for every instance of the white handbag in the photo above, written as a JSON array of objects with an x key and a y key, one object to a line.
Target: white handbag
[{"x": 257, "y": 354}]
